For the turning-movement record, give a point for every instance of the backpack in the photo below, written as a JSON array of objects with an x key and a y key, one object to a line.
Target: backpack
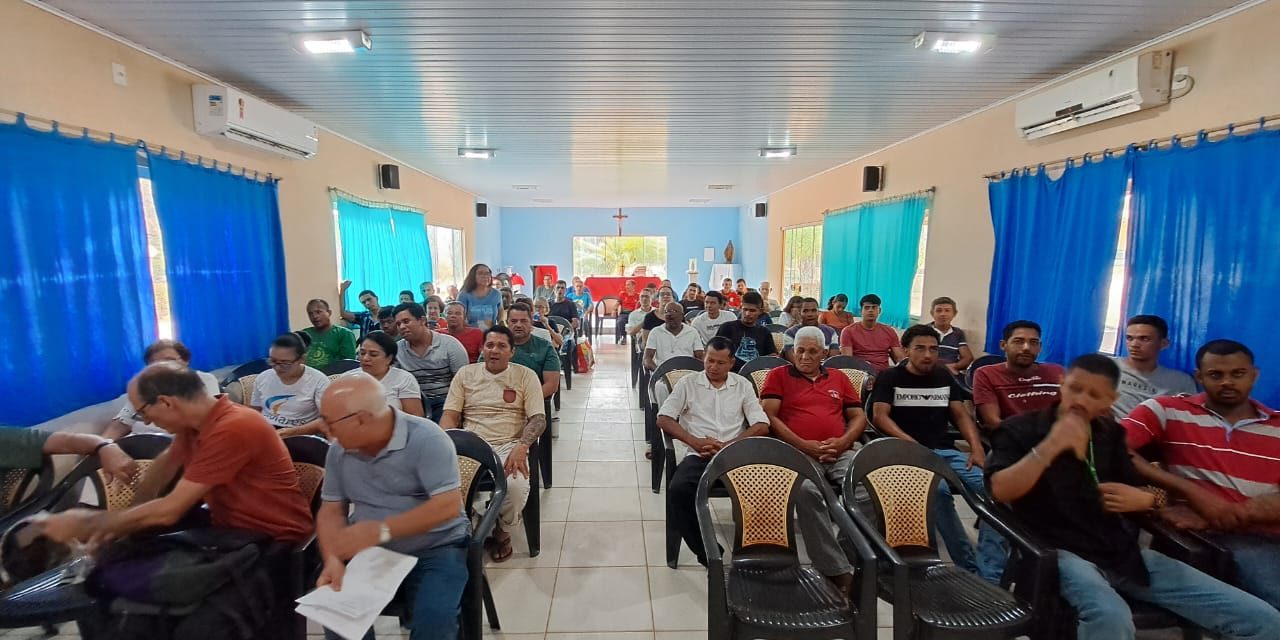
[{"x": 201, "y": 584}]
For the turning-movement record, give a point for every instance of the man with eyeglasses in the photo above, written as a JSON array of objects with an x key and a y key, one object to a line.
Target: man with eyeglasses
[
  {"x": 230, "y": 458},
  {"x": 391, "y": 480},
  {"x": 1141, "y": 375},
  {"x": 1020, "y": 384}
]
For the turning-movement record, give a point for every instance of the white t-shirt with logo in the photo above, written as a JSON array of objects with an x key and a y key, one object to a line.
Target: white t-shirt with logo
[
  {"x": 289, "y": 405},
  {"x": 398, "y": 384},
  {"x": 125, "y": 415},
  {"x": 707, "y": 327}
]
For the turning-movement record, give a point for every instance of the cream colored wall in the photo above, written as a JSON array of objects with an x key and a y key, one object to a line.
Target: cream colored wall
[
  {"x": 52, "y": 68},
  {"x": 1236, "y": 65}
]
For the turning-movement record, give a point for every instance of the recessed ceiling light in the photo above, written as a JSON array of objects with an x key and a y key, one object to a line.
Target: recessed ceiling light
[
  {"x": 944, "y": 42},
  {"x": 699, "y": 200},
  {"x": 719, "y": 187},
  {"x": 525, "y": 187},
  {"x": 476, "y": 152},
  {"x": 332, "y": 41},
  {"x": 777, "y": 152}
]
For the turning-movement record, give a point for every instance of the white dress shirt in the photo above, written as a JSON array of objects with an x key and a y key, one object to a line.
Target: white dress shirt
[
  {"x": 667, "y": 345},
  {"x": 707, "y": 412}
]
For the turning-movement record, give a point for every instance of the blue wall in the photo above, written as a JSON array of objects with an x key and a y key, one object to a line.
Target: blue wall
[
  {"x": 488, "y": 249},
  {"x": 544, "y": 235},
  {"x": 754, "y": 248}
]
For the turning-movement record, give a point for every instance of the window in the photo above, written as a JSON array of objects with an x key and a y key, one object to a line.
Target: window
[
  {"x": 802, "y": 261},
  {"x": 447, "y": 251},
  {"x": 917, "y": 283},
  {"x": 1119, "y": 275},
  {"x": 620, "y": 255}
]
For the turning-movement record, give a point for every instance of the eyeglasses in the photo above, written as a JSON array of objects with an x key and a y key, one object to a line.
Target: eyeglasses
[
  {"x": 137, "y": 414},
  {"x": 282, "y": 363},
  {"x": 331, "y": 423}
]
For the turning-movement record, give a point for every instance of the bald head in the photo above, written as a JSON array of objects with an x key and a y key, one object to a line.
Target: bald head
[
  {"x": 673, "y": 314},
  {"x": 352, "y": 393},
  {"x": 167, "y": 379}
]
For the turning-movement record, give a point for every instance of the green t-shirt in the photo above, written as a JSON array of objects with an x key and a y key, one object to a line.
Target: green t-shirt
[
  {"x": 338, "y": 343},
  {"x": 22, "y": 448},
  {"x": 536, "y": 354}
]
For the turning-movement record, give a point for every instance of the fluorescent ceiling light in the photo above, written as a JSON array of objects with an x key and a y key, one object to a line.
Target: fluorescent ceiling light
[
  {"x": 475, "y": 152},
  {"x": 944, "y": 42},
  {"x": 777, "y": 152},
  {"x": 525, "y": 187},
  {"x": 699, "y": 200},
  {"x": 332, "y": 41},
  {"x": 719, "y": 187}
]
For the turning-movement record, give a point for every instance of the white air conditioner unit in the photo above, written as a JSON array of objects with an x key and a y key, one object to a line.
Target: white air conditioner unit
[
  {"x": 1137, "y": 83},
  {"x": 223, "y": 111}
]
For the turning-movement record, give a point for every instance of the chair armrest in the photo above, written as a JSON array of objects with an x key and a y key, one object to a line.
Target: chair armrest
[
  {"x": 1184, "y": 546},
  {"x": 1033, "y": 566}
]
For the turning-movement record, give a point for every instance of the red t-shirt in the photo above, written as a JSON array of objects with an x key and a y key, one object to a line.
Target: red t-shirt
[
  {"x": 813, "y": 409},
  {"x": 471, "y": 338},
  {"x": 1015, "y": 394},
  {"x": 628, "y": 301},
  {"x": 252, "y": 479},
  {"x": 872, "y": 345},
  {"x": 732, "y": 298}
]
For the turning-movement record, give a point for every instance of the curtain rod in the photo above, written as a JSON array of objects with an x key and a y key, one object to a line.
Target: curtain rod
[
  {"x": 63, "y": 128},
  {"x": 884, "y": 200},
  {"x": 374, "y": 204},
  {"x": 1154, "y": 143}
]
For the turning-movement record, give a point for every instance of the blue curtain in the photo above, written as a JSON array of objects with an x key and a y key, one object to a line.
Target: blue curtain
[
  {"x": 1055, "y": 246},
  {"x": 224, "y": 259},
  {"x": 73, "y": 271},
  {"x": 874, "y": 248},
  {"x": 384, "y": 249},
  {"x": 1203, "y": 252}
]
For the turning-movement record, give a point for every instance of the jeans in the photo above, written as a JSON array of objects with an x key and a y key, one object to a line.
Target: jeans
[
  {"x": 992, "y": 548},
  {"x": 432, "y": 593},
  {"x": 1257, "y": 557},
  {"x": 1216, "y": 606}
]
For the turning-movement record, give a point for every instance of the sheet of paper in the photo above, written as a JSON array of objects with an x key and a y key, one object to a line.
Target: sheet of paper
[{"x": 371, "y": 581}]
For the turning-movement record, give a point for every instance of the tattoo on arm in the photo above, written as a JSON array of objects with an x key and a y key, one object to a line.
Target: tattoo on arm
[{"x": 532, "y": 429}]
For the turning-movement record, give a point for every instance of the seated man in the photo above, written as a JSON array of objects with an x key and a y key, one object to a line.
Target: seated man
[
  {"x": 502, "y": 403},
  {"x": 918, "y": 402},
  {"x": 329, "y": 342},
  {"x": 432, "y": 357},
  {"x": 391, "y": 479},
  {"x": 628, "y": 301},
  {"x": 1067, "y": 474},
  {"x": 708, "y": 322},
  {"x": 455, "y": 317},
  {"x": 427, "y": 289},
  {"x": 817, "y": 411},
  {"x": 366, "y": 320},
  {"x": 581, "y": 297},
  {"x": 636, "y": 320},
  {"x": 656, "y": 317},
  {"x": 563, "y": 307},
  {"x": 1221, "y": 454},
  {"x": 535, "y": 353},
  {"x": 691, "y": 301},
  {"x": 231, "y": 459},
  {"x": 542, "y": 326},
  {"x": 770, "y": 305},
  {"x": 1020, "y": 384},
  {"x": 387, "y": 321},
  {"x": 705, "y": 412},
  {"x": 869, "y": 339},
  {"x": 732, "y": 298},
  {"x": 809, "y": 318},
  {"x": 406, "y": 297},
  {"x": 953, "y": 349},
  {"x": 750, "y": 340},
  {"x": 673, "y": 338},
  {"x": 1141, "y": 375},
  {"x": 26, "y": 449}
]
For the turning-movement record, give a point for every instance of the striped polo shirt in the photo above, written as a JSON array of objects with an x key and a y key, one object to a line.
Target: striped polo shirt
[{"x": 1235, "y": 461}]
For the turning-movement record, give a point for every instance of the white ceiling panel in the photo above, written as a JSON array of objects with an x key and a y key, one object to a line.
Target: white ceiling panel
[{"x": 609, "y": 103}]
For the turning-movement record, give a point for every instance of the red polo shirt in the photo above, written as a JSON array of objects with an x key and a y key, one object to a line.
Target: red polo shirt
[
  {"x": 628, "y": 301},
  {"x": 813, "y": 409}
]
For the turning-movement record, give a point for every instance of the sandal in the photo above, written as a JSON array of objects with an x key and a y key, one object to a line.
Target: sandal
[{"x": 499, "y": 547}]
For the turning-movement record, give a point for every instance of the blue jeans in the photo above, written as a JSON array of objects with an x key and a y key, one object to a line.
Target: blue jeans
[
  {"x": 432, "y": 593},
  {"x": 1257, "y": 557},
  {"x": 433, "y": 407},
  {"x": 1216, "y": 606},
  {"x": 992, "y": 548}
]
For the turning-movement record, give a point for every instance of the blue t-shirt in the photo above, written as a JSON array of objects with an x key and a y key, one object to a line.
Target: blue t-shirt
[
  {"x": 583, "y": 300},
  {"x": 482, "y": 313},
  {"x": 418, "y": 463}
]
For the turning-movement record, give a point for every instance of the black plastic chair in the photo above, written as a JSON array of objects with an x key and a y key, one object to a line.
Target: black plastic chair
[
  {"x": 568, "y": 352},
  {"x": 691, "y": 314},
  {"x": 861, "y": 375},
  {"x": 765, "y": 591},
  {"x": 667, "y": 374},
  {"x": 978, "y": 364},
  {"x": 545, "y": 446},
  {"x": 480, "y": 470},
  {"x": 238, "y": 384},
  {"x": 249, "y": 368},
  {"x": 775, "y": 327},
  {"x": 18, "y": 486},
  {"x": 301, "y": 562},
  {"x": 757, "y": 370},
  {"x": 532, "y": 513},
  {"x": 775, "y": 313},
  {"x": 932, "y": 598},
  {"x": 339, "y": 367}
]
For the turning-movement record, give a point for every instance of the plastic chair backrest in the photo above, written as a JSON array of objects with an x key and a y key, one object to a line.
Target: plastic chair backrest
[
  {"x": 984, "y": 361},
  {"x": 339, "y": 367},
  {"x": 248, "y": 368},
  {"x": 308, "y": 454},
  {"x": 143, "y": 448},
  {"x": 688, "y": 363},
  {"x": 17, "y": 484},
  {"x": 757, "y": 370},
  {"x": 608, "y": 306},
  {"x": 240, "y": 390},
  {"x": 691, "y": 314}
]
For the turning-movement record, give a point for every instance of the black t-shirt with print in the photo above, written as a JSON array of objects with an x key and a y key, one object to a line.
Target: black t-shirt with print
[
  {"x": 652, "y": 321},
  {"x": 921, "y": 403},
  {"x": 749, "y": 342}
]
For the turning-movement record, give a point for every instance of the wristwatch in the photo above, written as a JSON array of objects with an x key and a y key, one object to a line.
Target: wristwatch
[{"x": 384, "y": 533}]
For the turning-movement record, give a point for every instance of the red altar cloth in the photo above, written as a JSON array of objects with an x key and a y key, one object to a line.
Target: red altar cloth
[{"x": 602, "y": 286}]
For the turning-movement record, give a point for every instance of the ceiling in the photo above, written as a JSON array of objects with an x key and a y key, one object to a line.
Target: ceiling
[{"x": 628, "y": 103}]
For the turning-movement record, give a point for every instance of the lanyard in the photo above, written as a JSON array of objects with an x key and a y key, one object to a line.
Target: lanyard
[{"x": 1093, "y": 468}]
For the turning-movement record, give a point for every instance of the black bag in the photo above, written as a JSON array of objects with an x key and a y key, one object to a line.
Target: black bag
[{"x": 203, "y": 584}]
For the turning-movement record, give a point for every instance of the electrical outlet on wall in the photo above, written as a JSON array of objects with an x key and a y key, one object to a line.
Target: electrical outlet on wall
[{"x": 119, "y": 75}]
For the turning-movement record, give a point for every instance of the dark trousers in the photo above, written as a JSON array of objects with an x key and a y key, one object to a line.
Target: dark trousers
[
  {"x": 681, "y": 494},
  {"x": 620, "y": 325}
]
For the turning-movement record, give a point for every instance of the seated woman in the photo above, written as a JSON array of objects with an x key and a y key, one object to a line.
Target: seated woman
[
  {"x": 542, "y": 324},
  {"x": 159, "y": 351},
  {"x": 835, "y": 316},
  {"x": 288, "y": 394},
  {"x": 790, "y": 315},
  {"x": 377, "y": 353}
]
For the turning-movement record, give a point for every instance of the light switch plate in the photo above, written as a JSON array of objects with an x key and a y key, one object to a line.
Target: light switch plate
[{"x": 119, "y": 75}]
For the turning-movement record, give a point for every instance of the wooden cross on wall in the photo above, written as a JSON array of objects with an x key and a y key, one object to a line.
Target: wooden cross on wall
[{"x": 620, "y": 217}]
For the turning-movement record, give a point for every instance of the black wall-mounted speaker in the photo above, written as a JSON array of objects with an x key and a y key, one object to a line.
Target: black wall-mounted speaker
[
  {"x": 873, "y": 178},
  {"x": 482, "y": 209},
  {"x": 762, "y": 209},
  {"x": 388, "y": 176}
]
